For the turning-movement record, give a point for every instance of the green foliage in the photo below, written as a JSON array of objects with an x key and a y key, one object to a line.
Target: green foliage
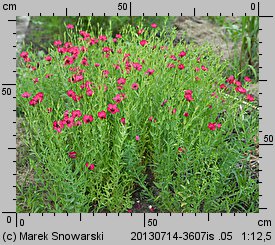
[{"x": 179, "y": 163}]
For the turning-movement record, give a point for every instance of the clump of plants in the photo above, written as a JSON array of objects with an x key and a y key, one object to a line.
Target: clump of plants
[{"x": 109, "y": 118}]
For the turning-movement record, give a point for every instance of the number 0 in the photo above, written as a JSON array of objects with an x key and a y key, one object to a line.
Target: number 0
[{"x": 253, "y": 6}]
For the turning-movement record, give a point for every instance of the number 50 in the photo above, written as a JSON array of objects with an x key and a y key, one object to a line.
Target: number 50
[{"x": 122, "y": 6}]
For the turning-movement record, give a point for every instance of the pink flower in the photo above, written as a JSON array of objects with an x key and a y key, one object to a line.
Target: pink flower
[
  {"x": 121, "y": 81},
  {"x": 76, "y": 113},
  {"x": 240, "y": 90},
  {"x": 186, "y": 114},
  {"x": 150, "y": 71},
  {"x": 58, "y": 126},
  {"x": 69, "y": 122},
  {"x": 117, "y": 98},
  {"x": 182, "y": 54},
  {"x": 105, "y": 73},
  {"x": 181, "y": 66},
  {"x": 70, "y": 26},
  {"x": 204, "y": 68},
  {"x": 139, "y": 32},
  {"x": 87, "y": 119},
  {"x": 247, "y": 79},
  {"x": 90, "y": 166},
  {"x": 135, "y": 86},
  {"x": 57, "y": 43},
  {"x": 48, "y": 58},
  {"x": 137, "y": 138},
  {"x": 143, "y": 43},
  {"x": 174, "y": 111},
  {"x": 188, "y": 95},
  {"x": 84, "y": 61},
  {"x": 230, "y": 79},
  {"x": 72, "y": 154},
  {"x": 154, "y": 25},
  {"x": 24, "y": 54},
  {"x": 49, "y": 109},
  {"x": 118, "y": 36},
  {"x": 237, "y": 83},
  {"x": 151, "y": 118},
  {"x": 213, "y": 126},
  {"x": 170, "y": 65},
  {"x": 113, "y": 108},
  {"x": 123, "y": 120},
  {"x": 222, "y": 86},
  {"x": 197, "y": 69},
  {"x": 250, "y": 97},
  {"x": 26, "y": 95},
  {"x": 71, "y": 93},
  {"x": 101, "y": 114},
  {"x": 89, "y": 92},
  {"x": 97, "y": 65},
  {"x": 102, "y": 38}
]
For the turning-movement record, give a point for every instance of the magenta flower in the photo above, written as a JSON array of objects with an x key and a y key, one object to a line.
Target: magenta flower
[
  {"x": 102, "y": 38},
  {"x": 101, "y": 114},
  {"x": 135, "y": 86},
  {"x": 204, "y": 68},
  {"x": 48, "y": 58},
  {"x": 71, "y": 93},
  {"x": 24, "y": 54},
  {"x": 70, "y": 26},
  {"x": 137, "y": 138},
  {"x": 186, "y": 114},
  {"x": 181, "y": 66},
  {"x": 26, "y": 95},
  {"x": 89, "y": 92},
  {"x": 222, "y": 86},
  {"x": 105, "y": 73},
  {"x": 230, "y": 79},
  {"x": 113, "y": 108},
  {"x": 57, "y": 43},
  {"x": 237, "y": 83},
  {"x": 182, "y": 54},
  {"x": 58, "y": 126},
  {"x": 87, "y": 119},
  {"x": 154, "y": 25},
  {"x": 123, "y": 120},
  {"x": 90, "y": 166},
  {"x": 247, "y": 79},
  {"x": 150, "y": 71},
  {"x": 250, "y": 97},
  {"x": 72, "y": 154},
  {"x": 240, "y": 90},
  {"x": 76, "y": 113},
  {"x": 188, "y": 95},
  {"x": 143, "y": 43},
  {"x": 121, "y": 81},
  {"x": 69, "y": 122},
  {"x": 214, "y": 126}
]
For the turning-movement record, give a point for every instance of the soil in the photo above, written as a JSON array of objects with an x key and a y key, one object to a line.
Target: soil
[{"x": 200, "y": 30}]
